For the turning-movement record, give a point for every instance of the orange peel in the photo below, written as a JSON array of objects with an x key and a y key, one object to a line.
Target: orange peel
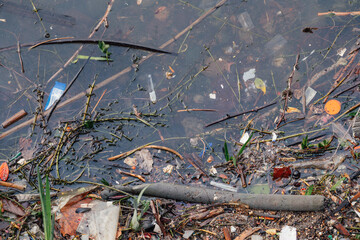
[{"x": 332, "y": 107}]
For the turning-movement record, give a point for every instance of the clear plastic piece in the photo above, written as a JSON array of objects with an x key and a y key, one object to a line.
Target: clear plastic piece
[
  {"x": 245, "y": 21},
  {"x": 275, "y": 44},
  {"x": 151, "y": 89},
  {"x": 101, "y": 222}
]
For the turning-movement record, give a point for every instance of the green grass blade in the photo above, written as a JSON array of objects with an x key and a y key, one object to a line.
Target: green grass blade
[
  {"x": 226, "y": 152},
  {"x": 242, "y": 149}
]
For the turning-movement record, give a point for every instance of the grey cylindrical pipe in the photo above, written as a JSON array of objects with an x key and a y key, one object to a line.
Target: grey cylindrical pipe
[{"x": 208, "y": 196}]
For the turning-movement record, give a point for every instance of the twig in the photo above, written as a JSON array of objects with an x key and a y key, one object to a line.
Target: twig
[
  {"x": 288, "y": 92},
  {"x": 145, "y": 146},
  {"x": 196, "y": 109},
  {"x": 131, "y": 174},
  {"x": 16, "y": 117},
  {"x": 239, "y": 114},
  {"x": 81, "y": 47},
  {"x": 347, "y": 89},
  {"x": 157, "y": 218},
  {"x": 88, "y": 101},
  {"x": 97, "y": 103},
  {"x": 96, "y": 41},
  {"x": 12, "y": 185},
  {"x": 66, "y": 90},
  {"x": 339, "y": 13},
  {"x": 117, "y": 75},
  {"x": 20, "y": 59},
  {"x": 341, "y": 79}
]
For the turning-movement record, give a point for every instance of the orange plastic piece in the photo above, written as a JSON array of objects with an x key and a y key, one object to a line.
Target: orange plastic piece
[
  {"x": 332, "y": 107},
  {"x": 4, "y": 171}
]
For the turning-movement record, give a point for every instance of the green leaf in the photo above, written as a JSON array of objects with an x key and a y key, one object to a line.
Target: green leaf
[
  {"x": 309, "y": 190},
  {"x": 135, "y": 225},
  {"x": 45, "y": 200},
  {"x": 89, "y": 124},
  {"x": 226, "y": 152},
  {"x": 103, "y": 181},
  {"x": 337, "y": 184},
  {"x": 304, "y": 143}
]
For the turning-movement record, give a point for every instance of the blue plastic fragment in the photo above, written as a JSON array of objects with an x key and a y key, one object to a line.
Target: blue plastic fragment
[
  {"x": 55, "y": 94},
  {"x": 207, "y": 147}
]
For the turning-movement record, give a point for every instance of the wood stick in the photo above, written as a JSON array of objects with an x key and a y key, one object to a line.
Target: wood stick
[
  {"x": 239, "y": 114},
  {"x": 16, "y": 117},
  {"x": 131, "y": 175},
  {"x": 197, "y": 194},
  {"x": 12, "y": 185},
  {"x": 96, "y": 41},
  {"x": 339, "y": 13},
  {"x": 115, "y": 76}
]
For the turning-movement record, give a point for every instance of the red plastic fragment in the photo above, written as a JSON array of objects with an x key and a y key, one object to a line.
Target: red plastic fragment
[
  {"x": 283, "y": 172},
  {"x": 4, "y": 171}
]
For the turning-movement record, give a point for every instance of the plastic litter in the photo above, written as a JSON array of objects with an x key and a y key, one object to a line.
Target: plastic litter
[
  {"x": 245, "y": 21},
  {"x": 55, "y": 94},
  {"x": 275, "y": 44},
  {"x": 288, "y": 233},
  {"x": 309, "y": 95},
  {"x": 249, "y": 74},
  {"x": 224, "y": 186},
  {"x": 341, "y": 133},
  {"x": 101, "y": 222},
  {"x": 256, "y": 237},
  {"x": 152, "y": 93}
]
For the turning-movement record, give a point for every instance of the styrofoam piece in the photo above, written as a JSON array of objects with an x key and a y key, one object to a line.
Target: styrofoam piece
[{"x": 288, "y": 233}]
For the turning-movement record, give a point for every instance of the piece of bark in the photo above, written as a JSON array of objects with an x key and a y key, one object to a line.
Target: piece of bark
[{"x": 210, "y": 196}]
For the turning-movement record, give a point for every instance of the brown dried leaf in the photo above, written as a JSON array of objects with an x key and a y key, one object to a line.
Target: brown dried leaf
[
  {"x": 70, "y": 220},
  {"x": 12, "y": 207}
]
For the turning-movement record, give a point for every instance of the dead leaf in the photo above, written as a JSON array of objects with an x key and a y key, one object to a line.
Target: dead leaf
[
  {"x": 12, "y": 207},
  {"x": 69, "y": 221},
  {"x": 4, "y": 171},
  {"x": 259, "y": 84},
  {"x": 292, "y": 110},
  {"x": 130, "y": 161},
  {"x": 145, "y": 159},
  {"x": 162, "y": 13}
]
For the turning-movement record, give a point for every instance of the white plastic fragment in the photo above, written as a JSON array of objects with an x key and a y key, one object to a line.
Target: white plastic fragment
[
  {"x": 188, "y": 233},
  {"x": 308, "y": 55},
  {"x": 152, "y": 93},
  {"x": 232, "y": 229},
  {"x": 212, "y": 95},
  {"x": 224, "y": 186},
  {"x": 213, "y": 171},
  {"x": 249, "y": 74},
  {"x": 244, "y": 138},
  {"x": 309, "y": 95},
  {"x": 256, "y": 237},
  {"x": 245, "y": 21},
  {"x": 288, "y": 233},
  {"x": 341, "y": 52},
  {"x": 273, "y": 136}
]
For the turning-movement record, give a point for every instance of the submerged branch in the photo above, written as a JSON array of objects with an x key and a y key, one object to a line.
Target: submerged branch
[{"x": 209, "y": 196}]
